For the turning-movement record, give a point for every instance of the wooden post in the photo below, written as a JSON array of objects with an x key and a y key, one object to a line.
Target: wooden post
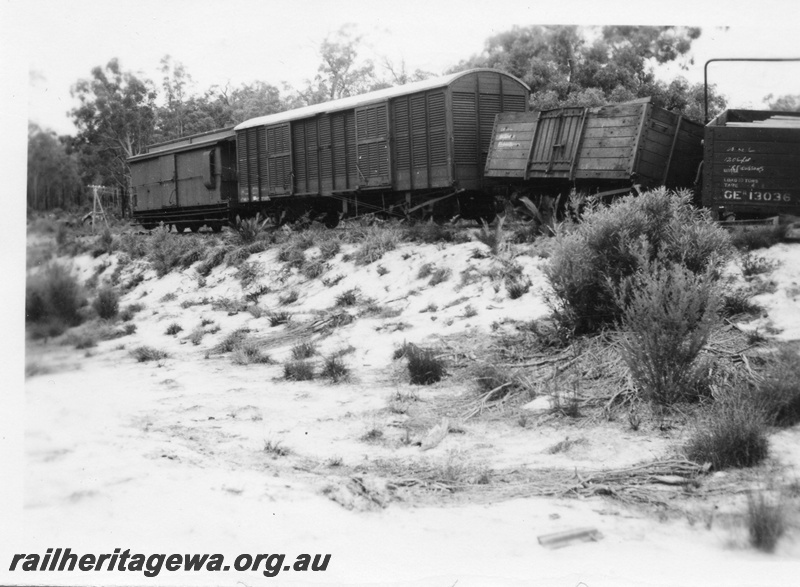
[{"x": 96, "y": 203}]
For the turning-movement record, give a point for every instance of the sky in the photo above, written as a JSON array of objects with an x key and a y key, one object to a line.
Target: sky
[{"x": 240, "y": 41}]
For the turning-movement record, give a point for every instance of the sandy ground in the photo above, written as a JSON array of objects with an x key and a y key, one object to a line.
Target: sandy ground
[{"x": 168, "y": 456}]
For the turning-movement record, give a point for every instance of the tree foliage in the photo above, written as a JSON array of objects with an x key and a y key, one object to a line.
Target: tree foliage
[
  {"x": 341, "y": 73},
  {"x": 590, "y": 66},
  {"x": 115, "y": 120},
  {"x": 786, "y": 103},
  {"x": 53, "y": 178}
]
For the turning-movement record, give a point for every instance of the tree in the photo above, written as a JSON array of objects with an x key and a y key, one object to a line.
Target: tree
[
  {"x": 589, "y": 66},
  {"x": 399, "y": 75},
  {"x": 115, "y": 120},
  {"x": 340, "y": 74},
  {"x": 53, "y": 178},
  {"x": 255, "y": 99},
  {"x": 172, "y": 117},
  {"x": 787, "y": 103}
]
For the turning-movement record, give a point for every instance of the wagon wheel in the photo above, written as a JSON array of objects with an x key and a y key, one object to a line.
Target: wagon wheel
[
  {"x": 216, "y": 226},
  {"x": 148, "y": 225},
  {"x": 331, "y": 220},
  {"x": 195, "y": 226},
  {"x": 488, "y": 216}
]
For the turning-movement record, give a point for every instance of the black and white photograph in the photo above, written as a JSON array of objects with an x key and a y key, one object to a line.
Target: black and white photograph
[{"x": 428, "y": 294}]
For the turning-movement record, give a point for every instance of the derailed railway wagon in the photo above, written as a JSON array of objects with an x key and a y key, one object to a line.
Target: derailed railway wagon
[
  {"x": 420, "y": 145},
  {"x": 752, "y": 164},
  {"x": 188, "y": 182},
  {"x": 406, "y": 150},
  {"x": 606, "y": 149}
]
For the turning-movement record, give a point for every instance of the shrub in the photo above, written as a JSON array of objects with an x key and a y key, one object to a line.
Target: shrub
[
  {"x": 737, "y": 302},
  {"x": 249, "y": 272},
  {"x": 298, "y": 370},
  {"x": 495, "y": 238},
  {"x": 82, "y": 340},
  {"x": 331, "y": 281},
  {"x": 134, "y": 245},
  {"x": 329, "y": 248},
  {"x": 62, "y": 234},
  {"x": 249, "y": 229},
  {"x": 276, "y": 448},
  {"x": 425, "y": 270},
  {"x": 231, "y": 341},
  {"x": 106, "y": 304},
  {"x": 517, "y": 287},
  {"x": 248, "y": 352},
  {"x": 734, "y": 435},
  {"x": 292, "y": 255},
  {"x": 778, "y": 391},
  {"x": 376, "y": 241},
  {"x": 314, "y": 269},
  {"x": 288, "y": 298},
  {"x": 126, "y": 330},
  {"x": 129, "y": 311},
  {"x": 424, "y": 366},
  {"x": 190, "y": 257},
  {"x": 335, "y": 369},
  {"x": 146, "y": 353},
  {"x": 196, "y": 335},
  {"x": 765, "y": 521},
  {"x": 667, "y": 319},
  {"x": 755, "y": 265},
  {"x": 212, "y": 259},
  {"x": 173, "y": 329},
  {"x": 104, "y": 243},
  {"x": 588, "y": 264},
  {"x": 749, "y": 238},
  {"x": 54, "y": 296},
  {"x": 303, "y": 350},
  {"x": 347, "y": 298},
  {"x": 278, "y": 318},
  {"x": 230, "y": 305},
  {"x": 165, "y": 249},
  {"x": 440, "y": 275},
  {"x": 430, "y": 232}
]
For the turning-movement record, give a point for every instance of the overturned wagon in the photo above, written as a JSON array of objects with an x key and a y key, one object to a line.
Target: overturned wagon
[
  {"x": 752, "y": 163},
  {"x": 606, "y": 148}
]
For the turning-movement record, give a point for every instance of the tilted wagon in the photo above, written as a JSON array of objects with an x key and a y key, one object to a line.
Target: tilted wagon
[{"x": 595, "y": 149}]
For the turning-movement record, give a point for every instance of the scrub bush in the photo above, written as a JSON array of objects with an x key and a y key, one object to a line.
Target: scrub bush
[{"x": 588, "y": 264}]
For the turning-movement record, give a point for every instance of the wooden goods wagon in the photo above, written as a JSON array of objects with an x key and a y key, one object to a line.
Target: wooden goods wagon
[
  {"x": 187, "y": 182},
  {"x": 595, "y": 148},
  {"x": 752, "y": 163},
  {"x": 403, "y": 144}
]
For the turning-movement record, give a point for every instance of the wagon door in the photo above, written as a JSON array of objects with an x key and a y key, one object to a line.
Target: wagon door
[
  {"x": 558, "y": 133},
  {"x": 279, "y": 160},
  {"x": 372, "y": 146},
  {"x": 166, "y": 180}
]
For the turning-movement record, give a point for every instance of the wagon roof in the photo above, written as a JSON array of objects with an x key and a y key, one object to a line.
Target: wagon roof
[
  {"x": 365, "y": 99},
  {"x": 186, "y": 143}
]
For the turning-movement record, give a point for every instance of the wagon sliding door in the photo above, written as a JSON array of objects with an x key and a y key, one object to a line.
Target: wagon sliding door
[{"x": 372, "y": 146}]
